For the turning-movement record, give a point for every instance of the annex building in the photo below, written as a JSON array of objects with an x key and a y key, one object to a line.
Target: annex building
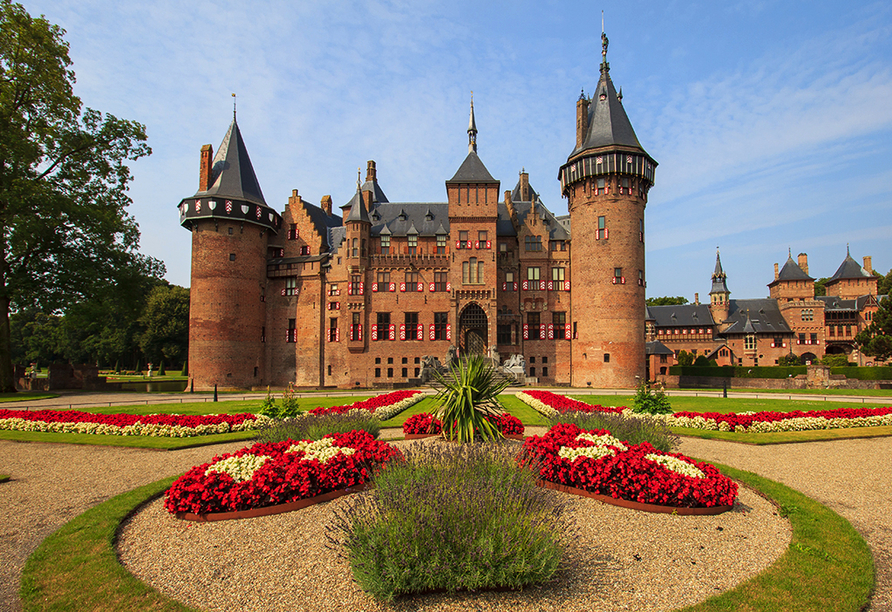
[
  {"x": 358, "y": 295},
  {"x": 751, "y": 332}
]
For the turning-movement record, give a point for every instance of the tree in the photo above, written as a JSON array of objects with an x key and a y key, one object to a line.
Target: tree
[
  {"x": 835, "y": 361},
  {"x": 166, "y": 323},
  {"x": 64, "y": 230},
  {"x": 685, "y": 358},
  {"x": 821, "y": 286},
  {"x": 884, "y": 284},
  {"x": 790, "y": 359},
  {"x": 666, "y": 301},
  {"x": 876, "y": 339}
]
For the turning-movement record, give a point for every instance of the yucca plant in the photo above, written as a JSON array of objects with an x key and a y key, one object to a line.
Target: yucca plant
[{"x": 468, "y": 398}]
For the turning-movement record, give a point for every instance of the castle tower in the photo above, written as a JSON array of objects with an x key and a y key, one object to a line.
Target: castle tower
[
  {"x": 606, "y": 180},
  {"x": 719, "y": 295},
  {"x": 473, "y": 211},
  {"x": 358, "y": 239},
  {"x": 230, "y": 224}
]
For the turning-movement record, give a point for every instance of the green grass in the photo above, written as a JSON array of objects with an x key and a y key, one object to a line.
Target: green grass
[
  {"x": 786, "y": 437},
  {"x": 529, "y": 416},
  {"x": 4, "y": 477},
  {"x": 157, "y": 442},
  {"x": 77, "y": 567},
  {"x": 426, "y": 405},
  {"x": 843, "y": 392},
  {"x": 827, "y": 567},
  {"x": 23, "y": 396}
]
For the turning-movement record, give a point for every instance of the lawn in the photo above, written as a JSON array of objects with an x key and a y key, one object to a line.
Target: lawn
[{"x": 23, "y": 396}]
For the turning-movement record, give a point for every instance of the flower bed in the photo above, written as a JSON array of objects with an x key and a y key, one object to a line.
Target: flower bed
[
  {"x": 598, "y": 463},
  {"x": 169, "y": 425},
  {"x": 269, "y": 474},
  {"x": 551, "y": 404},
  {"x": 426, "y": 424},
  {"x": 384, "y": 406}
]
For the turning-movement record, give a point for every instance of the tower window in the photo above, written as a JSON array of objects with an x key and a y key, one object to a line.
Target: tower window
[
  {"x": 441, "y": 244},
  {"x": 533, "y": 243},
  {"x": 232, "y": 257},
  {"x": 640, "y": 230},
  {"x": 413, "y": 244},
  {"x": 601, "y": 232},
  {"x": 385, "y": 245},
  {"x": 618, "y": 276},
  {"x": 472, "y": 271},
  {"x": 606, "y": 357},
  {"x": 601, "y": 186}
]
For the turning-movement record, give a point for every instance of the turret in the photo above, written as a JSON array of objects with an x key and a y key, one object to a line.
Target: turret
[
  {"x": 606, "y": 180},
  {"x": 719, "y": 295},
  {"x": 231, "y": 225}
]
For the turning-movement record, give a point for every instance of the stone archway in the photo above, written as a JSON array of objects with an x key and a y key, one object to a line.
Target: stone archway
[{"x": 473, "y": 327}]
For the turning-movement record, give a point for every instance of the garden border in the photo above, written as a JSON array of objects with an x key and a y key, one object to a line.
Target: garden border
[
  {"x": 271, "y": 510},
  {"x": 520, "y": 437}
]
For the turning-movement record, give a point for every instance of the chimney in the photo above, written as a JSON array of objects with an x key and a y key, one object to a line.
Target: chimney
[
  {"x": 803, "y": 262},
  {"x": 204, "y": 174},
  {"x": 524, "y": 186},
  {"x": 867, "y": 264},
  {"x": 371, "y": 173},
  {"x": 581, "y": 119},
  {"x": 696, "y": 299},
  {"x": 326, "y": 204},
  {"x": 776, "y": 273}
]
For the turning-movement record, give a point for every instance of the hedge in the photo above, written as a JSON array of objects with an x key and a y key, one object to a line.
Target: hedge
[{"x": 853, "y": 372}]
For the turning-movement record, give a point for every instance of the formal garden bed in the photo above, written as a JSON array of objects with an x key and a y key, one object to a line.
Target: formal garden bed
[
  {"x": 425, "y": 425},
  {"x": 551, "y": 404}
]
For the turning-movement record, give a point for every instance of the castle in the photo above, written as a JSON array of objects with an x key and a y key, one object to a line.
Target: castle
[
  {"x": 319, "y": 299},
  {"x": 752, "y": 332}
]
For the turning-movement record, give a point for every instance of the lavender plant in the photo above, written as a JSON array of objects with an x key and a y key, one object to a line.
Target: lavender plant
[
  {"x": 632, "y": 429},
  {"x": 314, "y": 427},
  {"x": 451, "y": 517}
]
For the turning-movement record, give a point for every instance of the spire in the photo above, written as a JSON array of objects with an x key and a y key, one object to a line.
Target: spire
[
  {"x": 719, "y": 277},
  {"x": 472, "y": 129},
  {"x": 358, "y": 211},
  {"x": 232, "y": 175},
  {"x": 605, "y": 67}
]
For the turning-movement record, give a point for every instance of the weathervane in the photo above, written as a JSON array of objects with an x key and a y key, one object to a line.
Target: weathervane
[{"x": 233, "y": 107}]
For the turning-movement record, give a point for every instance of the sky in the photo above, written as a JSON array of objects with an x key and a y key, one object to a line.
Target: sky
[{"x": 771, "y": 121}]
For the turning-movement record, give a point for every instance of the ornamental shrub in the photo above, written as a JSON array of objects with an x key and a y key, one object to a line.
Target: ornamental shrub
[
  {"x": 268, "y": 407},
  {"x": 468, "y": 399},
  {"x": 306, "y": 426},
  {"x": 650, "y": 399},
  {"x": 634, "y": 430},
  {"x": 451, "y": 517}
]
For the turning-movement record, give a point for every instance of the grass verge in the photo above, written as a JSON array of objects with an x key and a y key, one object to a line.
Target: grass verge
[
  {"x": 828, "y": 566},
  {"x": 23, "y": 396},
  {"x": 682, "y": 403},
  {"x": 77, "y": 567},
  {"x": 157, "y": 442},
  {"x": 786, "y": 437}
]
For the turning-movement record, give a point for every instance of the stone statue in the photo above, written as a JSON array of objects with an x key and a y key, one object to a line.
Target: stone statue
[
  {"x": 451, "y": 355},
  {"x": 493, "y": 354}
]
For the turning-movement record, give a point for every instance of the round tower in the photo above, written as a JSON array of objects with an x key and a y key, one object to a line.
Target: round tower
[
  {"x": 230, "y": 224},
  {"x": 606, "y": 180}
]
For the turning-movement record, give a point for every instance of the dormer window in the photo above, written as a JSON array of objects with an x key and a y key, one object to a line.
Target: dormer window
[{"x": 385, "y": 245}]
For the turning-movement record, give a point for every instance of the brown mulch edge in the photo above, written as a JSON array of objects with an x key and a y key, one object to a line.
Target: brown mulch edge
[{"x": 632, "y": 505}]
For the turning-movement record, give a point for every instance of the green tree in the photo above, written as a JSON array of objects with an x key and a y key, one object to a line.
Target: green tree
[
  {"x": 685, "y": 358},
  {"x": 836, "y": 361},
  {"x": 165, "y": 320},
  {"x": 64, "y": 230},
  {"x": 666, "y": 301},
  {"x": 884, "y": 284},
  {"x": 789, "y": 359},
  {"x": 821, "y": 286},
  {"x": 876, "y": 339}
]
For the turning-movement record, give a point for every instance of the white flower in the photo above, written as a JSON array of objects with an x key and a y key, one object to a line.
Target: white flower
[
  {"x": 321, "y": 450},
  {"x": 676, "y": 465},
  {"x": 592, "y": 452},
  {"x": 240, "y": 468},
  {"x": 605, "y": 440}
]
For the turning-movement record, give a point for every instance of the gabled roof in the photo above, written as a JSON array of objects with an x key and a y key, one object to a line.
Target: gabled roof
[
  {"x": 759, "y": 316},
  {"x": 657, "y": 348},
  {"x": 321, "y": 221},
  {"x": 472, "y": 170},
  {"x": 833, "y": 303},
  {"x": 556, "y": 230},
  {"x": 849, "y": 268},
  {"x": 232, "y": 175},
  {"x": 680, "y": 315}
]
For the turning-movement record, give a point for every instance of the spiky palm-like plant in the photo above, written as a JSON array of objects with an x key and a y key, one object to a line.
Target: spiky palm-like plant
[{"x": 468, "y": 399}]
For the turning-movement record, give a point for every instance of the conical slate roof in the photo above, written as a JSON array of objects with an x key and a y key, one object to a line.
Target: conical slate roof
[
  {"x": 358, "y": 211},
  {"x": 791, "y": 271},
  {"x": 608, "y": 123},
  {"x": 232, "y": 175},
  {"x": 718, "y": 277}
]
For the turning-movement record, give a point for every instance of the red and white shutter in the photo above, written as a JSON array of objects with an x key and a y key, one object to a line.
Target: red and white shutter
[
  {"x": 449, "y": 331},
  {"x": 526, "y": 331},
  {"x": 402, "y": 331}
]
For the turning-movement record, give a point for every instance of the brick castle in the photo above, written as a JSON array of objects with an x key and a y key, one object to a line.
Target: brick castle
[{"x": 319, "y": 299}]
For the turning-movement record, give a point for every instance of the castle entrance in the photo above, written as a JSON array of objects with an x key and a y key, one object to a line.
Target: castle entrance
[{"x": 473, "y": 326}]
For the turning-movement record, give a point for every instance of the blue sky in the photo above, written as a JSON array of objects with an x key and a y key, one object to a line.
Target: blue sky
[{"x": 771, "y": 121}]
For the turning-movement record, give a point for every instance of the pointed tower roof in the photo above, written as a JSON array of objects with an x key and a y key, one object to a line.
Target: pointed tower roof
[
  {"x": 608, "y": 123},
  {"x": 358, "y": 211},
  {"x": 472, "y": 169},
  {"x": 719, "y": 276},
  {"x": 849, "y": 268},
  {"x": 232, "y": 175},
  {"x": 792, "y": 272}
]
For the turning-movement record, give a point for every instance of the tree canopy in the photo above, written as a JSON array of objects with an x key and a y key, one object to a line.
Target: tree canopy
[
  {"x": 876, "y": 339},
  {"x": 666, "y": 301},
  {"x": 64, "y": 228}
]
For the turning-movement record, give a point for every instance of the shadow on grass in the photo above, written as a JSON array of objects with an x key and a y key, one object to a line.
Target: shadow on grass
[{"x": 827, "y": 566}]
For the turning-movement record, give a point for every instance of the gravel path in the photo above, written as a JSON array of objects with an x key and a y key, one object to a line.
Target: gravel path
[
  {"x": 853, "y": 477},
  {"x": 617, "y": 559}
]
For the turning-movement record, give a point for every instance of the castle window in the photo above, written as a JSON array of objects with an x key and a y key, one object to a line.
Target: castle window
[
  {"x": 601, "y": 186},
  {"x": 441, "y": 322},
  {"x": 230, "y": 231},
  {"x": 356, "y": 327},
  {"x": 532, "y": 371},
  {"x": 333, "y": 330},
  {"x": 533, "y": 243},
  {"x": 377, "y": 372},
  {"x": 441, "y": 244},
  {"x": 557, "y": 276},
  {"x": 749, "y": 342},
  {"x": 383, "y": 283},
  {"x": 800, "y": 339},
  {"x": 382, "y": 329},
  {"x": 291, "y": 334},
  {"x": 440, "y": 281},
  {"x": 263, "y": 334},
  {"x": 405, "y": 372},
  {"x": 413, "y": 244},
  {"x": 291, "y": 285},
  {"x": 606, "y": 357},
  {"x": 503, "y": 334},
  {"x": 641, "y": 279},
  {"x": 557, "y": 245},
  {"x": 355, "y": 284},
  {"x": 411, "y": 281},
  {"x": 472, "y": 272},
  {"x": 618, "y": 276},
  {"x": 559, "y": 319},
  {"x": 544, "y": 372},
  {"x": 601, "y": 233},
  {"x": 232, "y": 257},
  {"x": 533, "y": 323},
  {"x": 355, "y": 249},
  {"x": 304, "y": 250},
  {"x": 333, "y": 290},
  {"x": 389, "y": 372},
  {"x": 463, "y": 239},
  {"x": 533, "y": 275},
  {"x": 509, "y": 281},
  {"x": 412, "y": 330},
  {"x": 624, "y": 187},
  {"x": 814, "y": 338},
  {"x": 808, "y": 314},
  {"x": 385, "y": 245},
  {"x": 640, "y": 230},
  {"x": 482, "y": 237}
]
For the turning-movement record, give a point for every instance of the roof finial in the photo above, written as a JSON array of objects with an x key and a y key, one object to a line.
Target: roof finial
[
  {"x": 472, "y": 129},
  {"x": 848, "y": 254},
  {"x": 604, "y": 42},
  {"x": 233, "y": 107},
  {"x": 358, "y": 179},
  {"x": 790, "y": 252}
]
